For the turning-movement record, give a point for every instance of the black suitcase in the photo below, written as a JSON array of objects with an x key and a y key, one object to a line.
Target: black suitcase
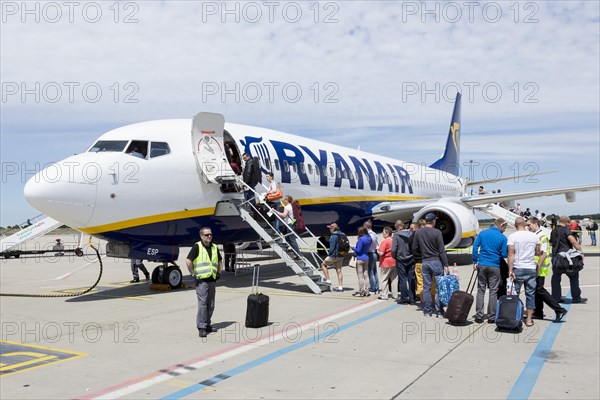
[
  {"x": 460, "y": 304},
  {"x": 509, "y": 313},
  {"x": 257, "y": 310}
]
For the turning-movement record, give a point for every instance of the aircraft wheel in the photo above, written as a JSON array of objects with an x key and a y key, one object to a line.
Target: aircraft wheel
[
  {"x": 172, "y": 276},
  {"x": 155, "y": 275},
  {"x": 78, "y": 252}
]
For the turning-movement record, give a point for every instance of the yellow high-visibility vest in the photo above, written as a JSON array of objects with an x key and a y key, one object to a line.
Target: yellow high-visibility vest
[
  {"x": 545, "y": 268},
  {"x": 205, "y": 266}
]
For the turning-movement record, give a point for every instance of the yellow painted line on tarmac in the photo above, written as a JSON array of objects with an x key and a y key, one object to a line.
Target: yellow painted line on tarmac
[
  {"x": 93, "y": 291},
  {"x": 179, "y": 383},
  {"x": 99, "y": 292},
  {"x": 18, "y": 357},
  {"x": 121, "y": 297}
]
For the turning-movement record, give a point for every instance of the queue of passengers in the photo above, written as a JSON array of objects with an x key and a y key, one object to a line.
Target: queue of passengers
[{"x": 411, "y": 258}]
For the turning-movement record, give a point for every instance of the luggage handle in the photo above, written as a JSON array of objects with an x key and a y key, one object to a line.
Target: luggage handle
[
  {"x": 469, "y": 285},
  {"x": 255, "y": 273}
]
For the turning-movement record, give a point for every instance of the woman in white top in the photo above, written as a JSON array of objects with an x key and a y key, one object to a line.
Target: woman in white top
[
  {"x": 272, "y": 189},
  {"x": 288, "y": 217}
]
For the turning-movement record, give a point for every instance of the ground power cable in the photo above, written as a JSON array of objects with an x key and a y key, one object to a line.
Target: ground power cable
[{"x": 74, "y": 294}]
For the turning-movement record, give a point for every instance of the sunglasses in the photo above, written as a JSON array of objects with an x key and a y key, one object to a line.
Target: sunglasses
[{"x": 207, "y": 234}]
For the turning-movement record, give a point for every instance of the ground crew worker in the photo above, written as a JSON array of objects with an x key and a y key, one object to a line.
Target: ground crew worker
[
  {"x": 543, "y": 266},
  {"x": 59, "y": 248},
  {"x": 205, "y": 263},
  {"x": 135, "y": 265}
]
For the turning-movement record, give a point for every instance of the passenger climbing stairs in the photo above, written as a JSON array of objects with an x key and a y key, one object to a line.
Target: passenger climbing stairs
[{"x": 304, "y": 264}]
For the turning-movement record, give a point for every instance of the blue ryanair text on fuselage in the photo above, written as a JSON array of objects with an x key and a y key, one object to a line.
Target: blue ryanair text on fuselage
[{"x": 359, "y": 173}]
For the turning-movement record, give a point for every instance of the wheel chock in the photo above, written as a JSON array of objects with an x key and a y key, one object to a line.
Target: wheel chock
[{"x": 160, "y": 287}]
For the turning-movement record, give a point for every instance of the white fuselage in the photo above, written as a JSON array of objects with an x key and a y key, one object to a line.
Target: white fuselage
[{"x": 164, "y": 198}]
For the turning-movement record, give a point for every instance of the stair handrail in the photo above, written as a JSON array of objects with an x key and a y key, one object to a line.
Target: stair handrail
[{"x": 316, "y": 258}]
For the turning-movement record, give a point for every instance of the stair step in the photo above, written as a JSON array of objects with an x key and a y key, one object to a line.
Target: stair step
[{"x": 304, "y": 268}]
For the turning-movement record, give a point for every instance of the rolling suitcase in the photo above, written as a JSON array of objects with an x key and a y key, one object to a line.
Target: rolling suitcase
[
  {"x": 460, "y": 304},
  {"x": 509, "y": 313},
  {"x": 446, "y": 285},
  {"x": 257, "y": 310}
]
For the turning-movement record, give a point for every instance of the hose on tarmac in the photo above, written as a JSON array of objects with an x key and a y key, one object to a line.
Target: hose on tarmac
[{"x": 73, "y": 294}]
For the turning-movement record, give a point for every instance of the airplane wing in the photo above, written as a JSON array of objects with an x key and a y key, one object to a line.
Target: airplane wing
[
  {"x": 510, "y": 178},
  {"x": 403, "y": 207},
  {"x": 393, "y": 209},
  {"x": 569, "y": 192}
]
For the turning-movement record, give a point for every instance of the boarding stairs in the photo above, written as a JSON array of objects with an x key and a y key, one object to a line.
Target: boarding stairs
[
  {"x": 496, "y": 211},
  {"x": 207, "y": 135},
  {"x": 31, "y": 229},
  {"x": 304, "y": 264}
]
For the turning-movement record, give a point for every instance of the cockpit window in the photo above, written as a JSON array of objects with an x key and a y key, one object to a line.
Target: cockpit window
[
  {"x": 138, "y": 148},
  {"x": 158, "y": 149},
  {"x": 108, "y": 145}
]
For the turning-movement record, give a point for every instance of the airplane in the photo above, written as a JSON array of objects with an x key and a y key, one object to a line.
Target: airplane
[{"x": 149, "y": 206}]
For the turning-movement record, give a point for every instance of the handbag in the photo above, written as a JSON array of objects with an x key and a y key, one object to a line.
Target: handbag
[
  {"x": 352, "y": 262},
  {"x": 511, "y": 290},
  {"x": 568, "y": 261},
  {"x": 275, "y": 196}
]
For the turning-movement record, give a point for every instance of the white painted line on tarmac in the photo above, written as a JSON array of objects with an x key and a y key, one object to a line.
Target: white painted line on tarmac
[
  {"x": 135, "y": 385},
  {"x": 77, "y": 269}
]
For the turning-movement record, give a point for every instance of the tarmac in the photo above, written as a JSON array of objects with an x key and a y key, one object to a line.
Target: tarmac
[{"x": 124, "y": 340}]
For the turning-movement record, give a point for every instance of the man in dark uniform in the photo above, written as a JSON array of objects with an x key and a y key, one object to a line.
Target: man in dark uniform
[
  {"x": 205, "y": 263},
  {"x": 251, "y": 175}
]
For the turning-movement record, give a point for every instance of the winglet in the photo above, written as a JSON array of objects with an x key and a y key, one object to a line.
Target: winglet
[{"x": 450, "y": 161}]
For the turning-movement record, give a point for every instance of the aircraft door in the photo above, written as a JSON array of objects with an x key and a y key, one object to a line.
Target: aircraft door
[{"x": 209, "y": 148}]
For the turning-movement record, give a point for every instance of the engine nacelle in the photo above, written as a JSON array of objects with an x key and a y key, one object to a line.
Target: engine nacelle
[{"x": 457, "y": 223}]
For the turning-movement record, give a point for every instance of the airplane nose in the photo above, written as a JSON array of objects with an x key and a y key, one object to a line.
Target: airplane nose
[{"x": 68, "y": 199}]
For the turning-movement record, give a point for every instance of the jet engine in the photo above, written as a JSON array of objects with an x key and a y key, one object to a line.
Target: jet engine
[{"x": 457, "y": 223}]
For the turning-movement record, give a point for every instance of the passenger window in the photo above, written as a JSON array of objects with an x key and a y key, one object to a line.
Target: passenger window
[
  {"x": 310, "y": 170},
  {"x": 331, "y": 172},
  {"x": 158, "y": 149},
  {"x": 277, "y": 164},
  {"x": 286, "y": 166},
  {"x": 294, "y": 166},
  {"x": 303, "y": 168}
]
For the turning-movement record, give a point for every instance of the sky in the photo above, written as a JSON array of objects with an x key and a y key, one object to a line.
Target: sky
[{"x": 379, "y": 75}]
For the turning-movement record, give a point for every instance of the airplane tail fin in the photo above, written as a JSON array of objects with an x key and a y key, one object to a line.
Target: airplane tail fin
[{"x": 450, "y": 161}]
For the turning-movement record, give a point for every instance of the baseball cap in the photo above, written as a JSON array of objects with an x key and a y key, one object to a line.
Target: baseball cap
[
  {"x": 430, "y": 217},
  {"x": 333, "y": 225}
]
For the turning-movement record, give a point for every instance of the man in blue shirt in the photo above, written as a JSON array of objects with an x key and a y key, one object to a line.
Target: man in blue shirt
[{"x": 490, "y": 245}]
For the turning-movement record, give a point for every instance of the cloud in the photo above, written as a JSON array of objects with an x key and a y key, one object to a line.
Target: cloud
[{"x": 367, "y": 71}]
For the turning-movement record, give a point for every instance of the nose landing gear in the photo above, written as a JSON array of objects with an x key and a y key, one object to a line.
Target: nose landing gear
[{"x": 168, "y": 275}]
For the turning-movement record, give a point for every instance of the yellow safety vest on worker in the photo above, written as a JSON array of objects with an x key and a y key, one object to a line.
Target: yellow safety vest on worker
[
  {"x": 205, "y": 266},
  {"x": 545, "y": 268}
]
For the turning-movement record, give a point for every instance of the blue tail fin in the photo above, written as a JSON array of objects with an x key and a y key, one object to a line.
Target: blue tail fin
[{"x": 450, "y": 161}]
